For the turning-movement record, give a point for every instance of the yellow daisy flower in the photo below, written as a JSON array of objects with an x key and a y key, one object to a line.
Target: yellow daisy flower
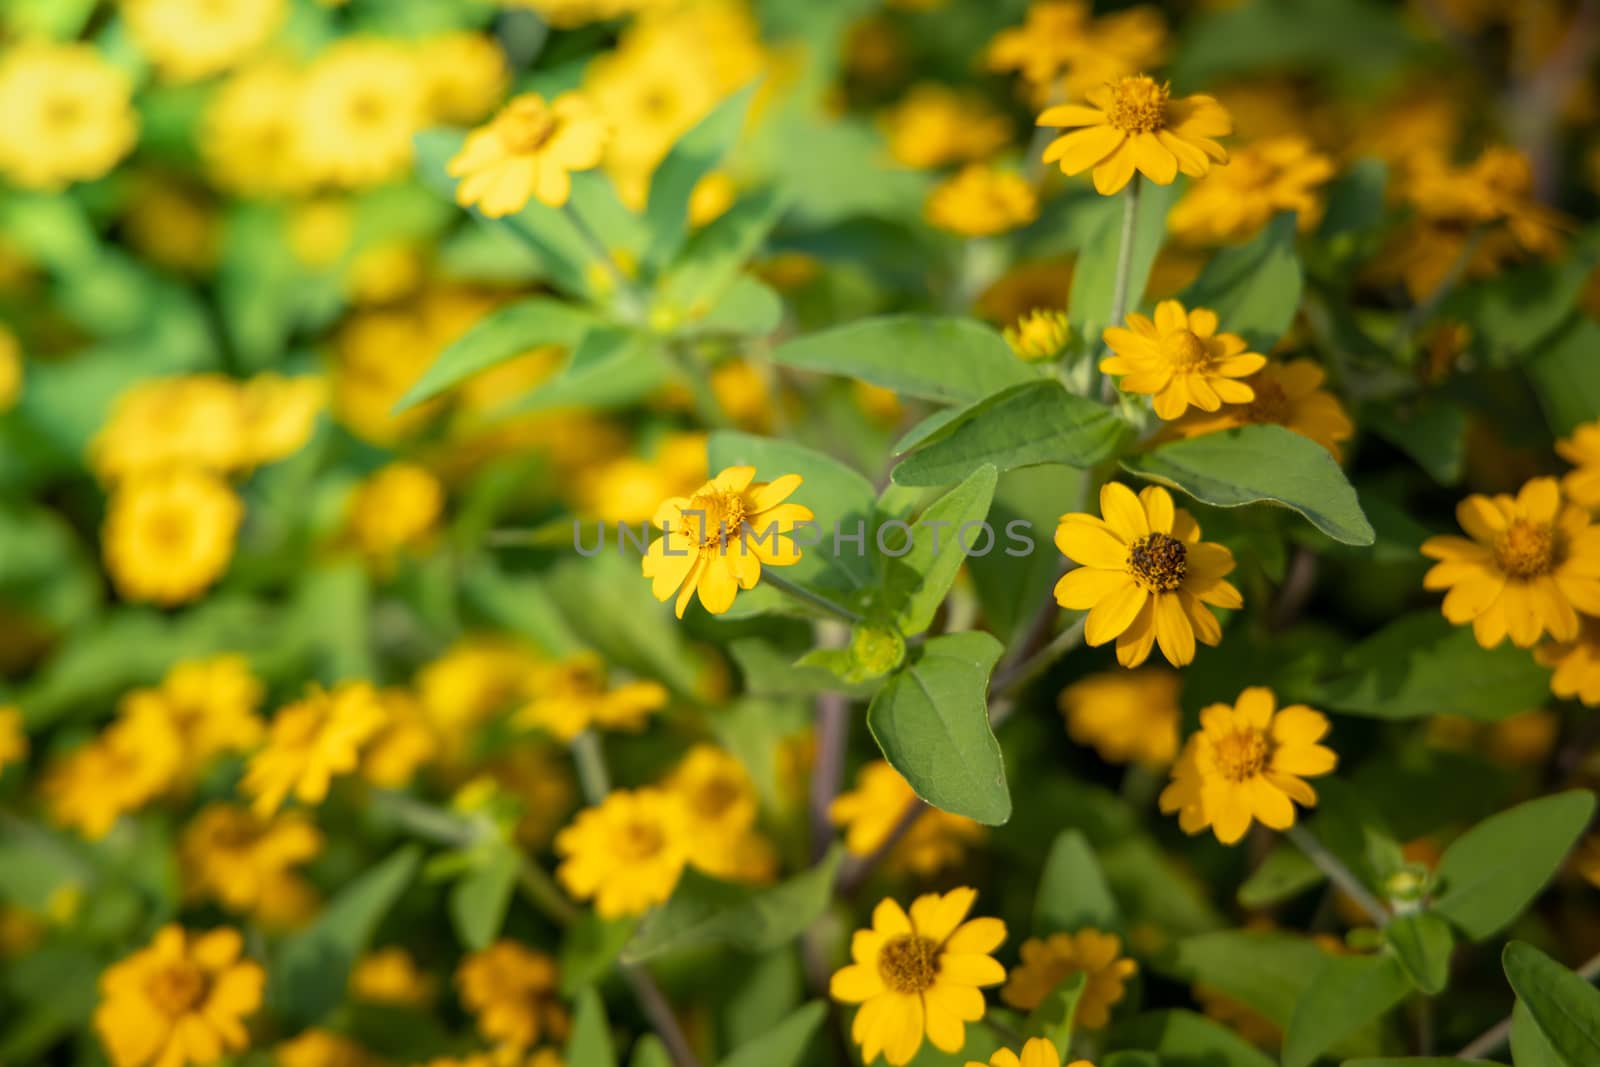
[
  {"x": 1145, "y": 576},
  {"x": 360, "y": 104},
  {"x": 1134, "y": 124},
  {"x": 192, "y": 39},
  {"x": 872, "y": 811},
  {"x": 1576, "y": 663},
  {"x": 1582, "y": 450},
  {"x": 919, "y": 975},
  {"x": 1038, "y": 1052},
  {"x": 511, "y": 992},
  {"x": 716, "y": 541},
  {"x": 1049, "y": 961},
  {"x": 1260, "y": 180},
  {"x": 721, "y": 802},
  {"x": 1288, "y": 394},
  {"x": 69, "y": 114},
  {"x": 130, "y": 763},
  {"x": 1533, "y": 563},
  {"x": 1248, "y": 761},
  {"x": 1128, "y": 716},
  {"x": 13, "y": 738},
  {"x": 627, "y": 853},
  {"x": 528, "y": 150},
  {"x": 1039, "y": 335},
  {"x": 170, "y": 536},
  {"x": 244, "y": 862},
  {"x": 571, "y": 696},
  {"x": 309, "y": 743},
  {"x": 980, "y": 201},
  {"x": 1180, "y": 359},
  {"x": 391, "y": 976},
  {"x": 182, "y": 1000},
  {"x": 396, "y": 508},
  {"x": 935, "y": 124}
]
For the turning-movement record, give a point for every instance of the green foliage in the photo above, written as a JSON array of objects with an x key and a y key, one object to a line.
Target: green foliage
[
  {"x": 933, "y": 560},
  {"x": 1343, "y": 995},
  {"x": 500, "y": 335},
  {"x": 590, "y": 1042},
  {"x": 479, "y": 899},
  {"x": 1422, "y": 942},
  {"x": 1565, "y": 1008},
  {"x": 957, "y": 361},
  {"x": 1072, "y": 890},
  {"x": 1255, "y": 288}
]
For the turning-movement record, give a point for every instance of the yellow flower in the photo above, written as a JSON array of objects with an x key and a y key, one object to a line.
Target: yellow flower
[
  {"x": 395, "y": 508},
  {"x": 920, "y": 975},
  {"x": 1532, "y": 564},
  {"x": 193, "y": 421},
  {"x": 1248, "y": 761},
  {"x": 192, "y": 39},
  {"x": 571, "y": 696},
  {"x": 391, "y": 976},
  {"x": 1041, "y": 334},
  {"x": 934, "y": 125},
  {"x": 566, "y": 14},
  {"x": 233, "y": 856},
  {"x": 711, "y": 198},
  {"x": 873, "y": 811},
  {"x": 1061, "y": 44},
  {"x": 1260, "y": 180},
  {"x": 208, "y": 705},
  {"x": 1047, "y": 962},
  {"x": 360, "y": 104},
  {"x": 13, "y": 738},
  {"x": 1134, "y": 124},
  {"x": 183, "y": 1000},
  {"x": 476, "y": 679},
  {"x": 11, "y": 369},
  {"x": 1038, "y": 1052},
  {"x": 316, "y": 1047},
  {"x": 510, "y": 990},
  {"x": 626, "y": 853},
  {"x": 720, "y": 800},
  {"x": 1180, "y": 359},
  {"x": 310, "y": 742},
  {"x": 1145, "y": 576},
  {"x": 1576, "y": 663},
  {"x": 464, "y": 76},
  {"x": 981, "y": 201},
  {"x": 528, "y": 150},
  {"x": 628, "y": 489},
  {"x": 68, "y": 115},
  {"x": 277, "y": 415},
  {"x": 251, "y": 137},
  {"x": 169, "y": 536},
  {"x": 539, "y": 777},
  {"x": 1586, "y": 860},
  {"x": 130, "y": 763},
  {"x": 404, "y": 743},
  {"x": 1127, "y": 716},
  {"x": 1582, "y": 450},
  {"x": 715, "y": 541},
  {"x": 1288, "y": 394}
]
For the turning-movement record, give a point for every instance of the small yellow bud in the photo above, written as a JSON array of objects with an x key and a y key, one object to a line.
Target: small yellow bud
[
  {"x": 1039, "y": 335},
  {"x": 876, "y": 650}
]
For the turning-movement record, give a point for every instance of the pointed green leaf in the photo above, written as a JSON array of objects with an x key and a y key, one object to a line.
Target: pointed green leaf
[
  {"x": 498, "y": 336},
  {"x": 1254, "y": 288},
  {"x": 696, "y": 154},
  {"x": 1185, "y": 1039},
  {"x": 711, "y": 259},
  {"x": 946, "y": 360},
  {"x": 1565, "y": 1007},
  {"x": 1529, "y": 1046},
  {"x": 1345, "y": 994},
  {"x": 650, "y": 1052},
  {"x": 1072, "y": 891},
  {"x": 610, "y": 367},
  {"x": 785, "y": 1045},
  {"x": 590, "y": 1042},
  {"x": 1423, "y": 942},
  {"x": 479, "y": 899},
  {"x": 940, "y": 540},
  {"x": 1056, "y": 1014}
]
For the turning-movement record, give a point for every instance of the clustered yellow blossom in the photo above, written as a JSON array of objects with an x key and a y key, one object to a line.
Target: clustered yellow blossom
[
  {"x": 309, "y": 743},
  {"x": 528, "y": 151},
  {"x": 1128, "y": 716},
  {"x": 1047, "y": 962},
  {"x": 69, "y": 114},
  {"x": 1180, "y": 360},
  {"x": 1063, "y": 49},
  {"x": 934, "y": 125},
  {"x": 1260, "y": 180},
  {"x": 1287, "y": 394},
  {"x": 1134, "y": 124},
  {"x": 511, "y": 992},
  {"x": 981, "y": 201}
]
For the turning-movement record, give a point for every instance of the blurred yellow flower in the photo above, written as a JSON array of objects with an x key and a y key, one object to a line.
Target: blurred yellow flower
[
  {"x": 933, "y": 125},
  {"x": 361, "y": 102},
  {"x": 1046, "y": 962},
  {"x": 510, "y": 990},
  {"x": 192, "y": 39},
  {"x": 184, "y": 999},
  {"x": 243, "y": 861},
  {"x": 1144, "y": 576},
  {"x": 193, "y": 421},
  {"x": 716, "y": 541},
  {"x": 13, "y": 738},
  {"x": 1039, "y": 335},
  {"x": 878, "y": 805},
  {"x": 169, "y": 536},
  {"x": 391, "y": 976},
  {"x": 464, "y": 76},
  {"x": 626, "y": 853},
  {"x": 528, "y": 151},
  {"x": 1180, "y": 360},
  {"x": 570, "y": 696},
  {"x": 1061, "y": 46},
  {"x": 173, "y": 223},
  {"x": 1134, "y": 124},
  {"x": 208, "y": 705},
  {"x": 1582, "y": 449},
  {"x": 250, "y": 135},
  {"x": 278, "y": 415},
  {"x": 405, "y": 742},
  {"x": 1533, "y": 563},
  {"x": 120, "y": 771},
  {"x": 1287, "y": 394},
  {"x": 711, "y": 198},
  {"x": 980, "y": 201},
  {"x": 1260, "y": 180},
  {"x": 11, "y": 370},
  {"x": 68, "y": 114},
  {"x": 477, "y": 678},
  {"x": 1576, "y": 663},
  {"x": 629, "y": 488},
  {"x": 566, "y": 14},
  {"x": 316, "y": 1047},
  {"x": 1248, "y": 762},
  {"x": 1128, "y": 716},
  {"x": 309, "y": 743},
  {"x": 1037, "y": 1052},
  {"x": 395, "y": 509},
  {"x": 919, "y": 976},
  {"x": 720, "y": 799}
]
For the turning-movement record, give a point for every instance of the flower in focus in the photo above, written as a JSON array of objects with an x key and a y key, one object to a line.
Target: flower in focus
[
  {"x": 1128, "y": 716},
  {"x": 361, "y": 102},
  {"x": 1582, "y": 450},
  {"x": 1248, "y": 762},
  {"x": 1533, "y": 563},
  {"x": 571, "y": 696},
  {"x": 309, "y": 743},
  {"x": 1037, "y": 1052},
  {"x": 130, "y": 763},
  {"x": 1260, "y": 180},
  {"x": 1576, "y": 663},
  {"x": 934, "y": 125},
  {"x": 231, "y": 855},
  {"x": 192, "y": 39},
  {"x": 510, "y": 990},
  {"x": 528, "y": 150},
  {"x": 391, "y": 976},
  {"x": 716, "y": 541},
  {"x": 395, "y": 509},
  {"x": 1145, "y": 577},
  {"x": 13, "y": 738},
  {"x": 626, "y": 853},
  {"x": 169, "y": 536},
  {"x": 721, "y": 803},
  {"x": 1047, "y": 962},
  {"x": 1039, "y": 335},
  {"x": 919, "y": 975},
  {"x": 1287, "y": 394},
  {"x": 1180, "y": 360},
  {"x": 872, "y": 812},
  {"x": 981, "y": 201},
  {"x": 68, "y": 114},
  {"x": 182, "y": 1000},
  {"x": 1134, "y": 124}
]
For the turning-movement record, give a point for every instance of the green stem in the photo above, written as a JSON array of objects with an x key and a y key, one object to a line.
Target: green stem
[
  {"x": 700, "y": 391},
  {"x": 1338, "y": 874},
  {"x": 816, "y": 600},
  {"x": 590, "y": 759}
]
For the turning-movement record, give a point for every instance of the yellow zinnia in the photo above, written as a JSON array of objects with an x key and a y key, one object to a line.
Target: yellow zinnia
[
  {"x": 1576, "y": 663},
  {"x": 715, "y": 541},
  {"x": 1582, "y": 450},
  {"x": 981, "y": 201},
  {"x": 1134, "y": 124},
  {"x": 1047, "y": 962},
  {"x": 309, "y": 743},
  {"x": 1038, "y": 1052},
  {"x": 572, "y": 696},
  {"x": 919, "y": 975},
  {"x": 1180, "y": 359},
  {"x": 511, "y": 992},
  {"x": 627, "y": 853},
  {"x": 528, "y": 150},
  {"x": 1248, "y": 761},
  {"x": 1145, "y": 576},
  {"x": 1039, "y": 335},
  {"x": 1286, "y": 394},
  {"x": 1126, "y": 715},
  {"x": 872, "y": 812},
  {"x": 1260, "y": 180},
  {"x": 1532, "y": 564}
]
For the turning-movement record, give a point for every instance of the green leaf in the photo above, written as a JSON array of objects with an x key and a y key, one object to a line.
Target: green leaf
[
  {"x": 1057, "y": 1012},
  {"x": 506, "y": 332},
  {"x": 1265, "y": 970},
  {"x": 609, "y": 604},
  {"x": 1513, "y": 315},
  {"x": 715, "y": 255},
  {"x": 939, "y": 543},
  {"x": 1355, "y": 199},
  {"x": 1423, "y": 942},
  {"x": 1073, "y": 892},
  {"x": 648, "y": 1051},
  {"x": 1529, "y": 1046},
  {"x": 785, "y": 1045},
  {"x": 1345, "y": 994},
  {"x": 1253, "y": 288},
  {"x": 611, "y": 367},
  {"x": 1566, "y": 376},
  {"x": 1492, "y": 872},
  {"x": 479, "y": 899},
  {"x": 1267, "y": 464},
  {"x": 1014, "y": 581},
  {"x": 1185, "y": 1039},
  {"x": 590, "y": 950},
  {"x": 308, "y": 977},
  {"x": 1420, "y": 665},
  {"x": 590, "y": 1042},
  {"x": 595, "y": 201},
  {"x": 932, "y": 722},
  {"x": 946, "y": 360},
  {"x": 1284, "y": 874},
  {"x": 705, "y": 911},
  {"x": 1026, "y": 425},
  {"x": 696, "y": 154},
  {"x": 1432, "y": 432},
  {"x": 1565, "y": 1007},
  {"x": 749, "y": 308},
  {"x": 1094, "y": 280}
]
